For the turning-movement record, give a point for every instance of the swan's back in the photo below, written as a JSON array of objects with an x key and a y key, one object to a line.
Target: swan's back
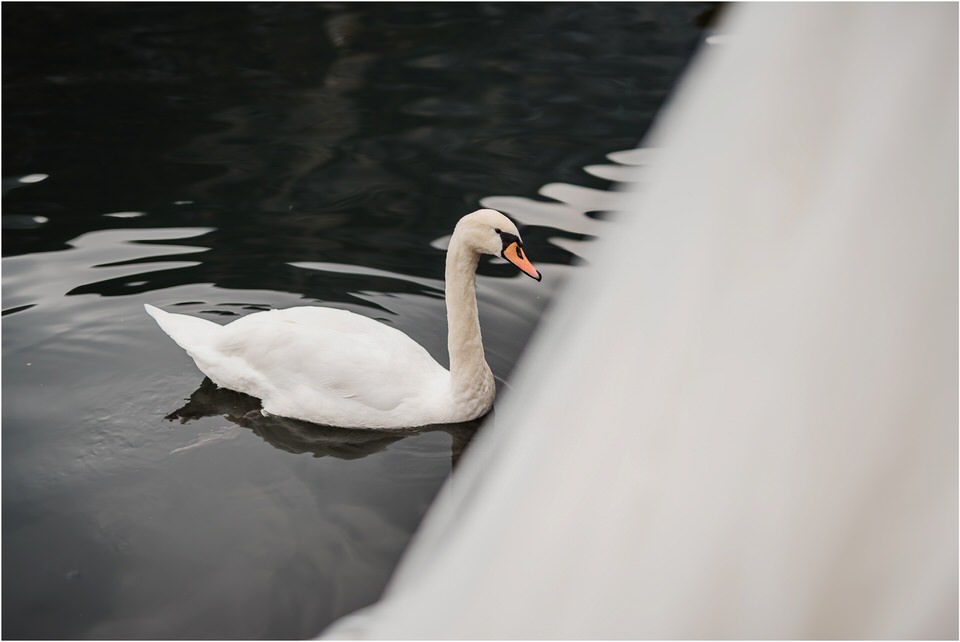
[{"x": 320, "y": 364}]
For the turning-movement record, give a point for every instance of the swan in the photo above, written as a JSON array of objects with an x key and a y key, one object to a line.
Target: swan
[{"x": 338, "y": 368}]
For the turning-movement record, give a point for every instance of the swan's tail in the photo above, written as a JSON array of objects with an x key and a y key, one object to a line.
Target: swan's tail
[{"x": 190, "y": 333}]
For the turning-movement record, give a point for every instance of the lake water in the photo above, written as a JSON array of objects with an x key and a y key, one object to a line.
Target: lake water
[{"x": 220, "y": 159}]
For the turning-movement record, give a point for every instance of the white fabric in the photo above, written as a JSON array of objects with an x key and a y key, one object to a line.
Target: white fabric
[{"x": 741, "y": 419}]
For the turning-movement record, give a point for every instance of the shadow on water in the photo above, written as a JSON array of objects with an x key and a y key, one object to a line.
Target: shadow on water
[{"x": 297, "y": 437}]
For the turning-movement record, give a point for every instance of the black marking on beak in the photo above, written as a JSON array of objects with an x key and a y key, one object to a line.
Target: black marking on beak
[{"x": 507, "y": 238}]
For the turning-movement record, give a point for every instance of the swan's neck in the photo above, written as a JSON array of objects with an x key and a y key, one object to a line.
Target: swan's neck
[{"x": 470, "y": 375}]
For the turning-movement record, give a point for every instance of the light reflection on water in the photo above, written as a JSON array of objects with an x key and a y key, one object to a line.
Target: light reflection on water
[{"x": 262, "y": 158}]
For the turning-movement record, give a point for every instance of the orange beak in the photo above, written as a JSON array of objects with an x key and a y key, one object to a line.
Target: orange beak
[{"x": 514, "y": 254}]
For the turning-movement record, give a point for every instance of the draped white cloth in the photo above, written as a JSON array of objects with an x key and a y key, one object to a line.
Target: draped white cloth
[{"x": 741, "y": 419}]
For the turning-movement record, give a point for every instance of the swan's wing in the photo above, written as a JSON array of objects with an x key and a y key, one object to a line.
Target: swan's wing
[{"x": 322, "y": 355}]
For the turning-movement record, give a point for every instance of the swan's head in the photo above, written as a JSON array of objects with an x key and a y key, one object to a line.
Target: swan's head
[{"x": 490, "y": 232}]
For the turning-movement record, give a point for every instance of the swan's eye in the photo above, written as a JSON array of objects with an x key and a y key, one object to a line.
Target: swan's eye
[
  {"x": 507, "y": 238},
  {"x": 497, "y": 230}
]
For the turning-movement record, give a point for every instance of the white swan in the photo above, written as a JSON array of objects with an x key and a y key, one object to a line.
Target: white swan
[{"x": 339, "y": 368}]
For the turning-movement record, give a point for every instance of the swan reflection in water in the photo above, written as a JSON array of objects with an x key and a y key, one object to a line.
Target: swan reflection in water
[{"x": 294, "y": 436}]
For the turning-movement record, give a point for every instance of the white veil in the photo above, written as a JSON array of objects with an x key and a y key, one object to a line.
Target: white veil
[{"x": 741, "y": 419}]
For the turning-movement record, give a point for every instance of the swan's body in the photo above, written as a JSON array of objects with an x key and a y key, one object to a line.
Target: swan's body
[{"x": 338, "y": 368}]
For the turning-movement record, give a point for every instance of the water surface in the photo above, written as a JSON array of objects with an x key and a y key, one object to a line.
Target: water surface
[{"x": 221, "y": 159}]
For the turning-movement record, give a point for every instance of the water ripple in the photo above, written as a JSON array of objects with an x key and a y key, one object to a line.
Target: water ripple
[
  {"x": 568, "y": 209},
  {"x": 34, "y": 281}
]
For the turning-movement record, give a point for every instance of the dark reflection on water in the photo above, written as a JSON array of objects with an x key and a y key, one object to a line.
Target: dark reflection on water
[
  {"x": 298, "y": 437},
  {"x": 217, "y": 159}
]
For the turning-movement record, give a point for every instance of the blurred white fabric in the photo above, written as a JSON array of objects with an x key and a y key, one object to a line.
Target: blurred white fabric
[{"x": 741, "y": 419}]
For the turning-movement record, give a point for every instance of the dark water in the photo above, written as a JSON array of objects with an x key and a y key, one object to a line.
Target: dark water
[{"x": 218, "y": 159}]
